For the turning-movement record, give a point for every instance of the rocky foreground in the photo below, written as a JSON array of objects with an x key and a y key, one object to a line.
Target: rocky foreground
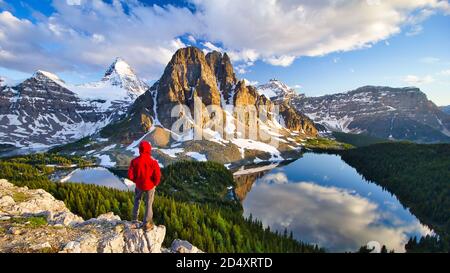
[{"x": 34, "y": 221}]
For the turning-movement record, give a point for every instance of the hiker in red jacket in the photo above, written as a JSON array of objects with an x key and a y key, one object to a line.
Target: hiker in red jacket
[{"x": 144, "y": 171}]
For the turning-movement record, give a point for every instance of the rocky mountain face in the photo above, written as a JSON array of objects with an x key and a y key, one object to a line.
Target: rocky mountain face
[
  {"x": 395, "y": 113},
  {"x": 192, "y": 74},
  {"x": 43, "y": 110},
  {"x": 276, "y": 90},
  {"x": 385, "y": 112},
  {"x": 445, "y": 109},
  {"x": 187, "y": 75},
  {"x": 120, "y": 74},
  {"x": 226, "y": 78},
  {"x": 34, "y": 221},
  {"x": 209, "y": 79}
]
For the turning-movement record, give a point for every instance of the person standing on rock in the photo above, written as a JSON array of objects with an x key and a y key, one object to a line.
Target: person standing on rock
[{"x": 144, "y": 171}]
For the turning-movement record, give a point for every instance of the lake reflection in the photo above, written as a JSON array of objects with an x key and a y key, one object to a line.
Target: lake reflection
[
  {"x": 97, "y": 176},
  {"x": 325, "y": 201}
]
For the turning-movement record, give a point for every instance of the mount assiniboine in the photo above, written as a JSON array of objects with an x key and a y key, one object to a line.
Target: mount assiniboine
[
  {"x": 193, "y": 75},
  {"x": 109, "y": 118}
]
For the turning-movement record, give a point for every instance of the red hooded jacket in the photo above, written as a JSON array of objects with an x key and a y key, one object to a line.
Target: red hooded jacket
[{"x": 144, "y": 171}]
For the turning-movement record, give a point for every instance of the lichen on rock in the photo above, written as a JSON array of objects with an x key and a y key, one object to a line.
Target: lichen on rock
[{"x": 40, "y": 223}]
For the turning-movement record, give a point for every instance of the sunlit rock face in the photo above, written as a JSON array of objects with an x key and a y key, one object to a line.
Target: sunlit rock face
[
  {"x": 191, "y": 74},
  {"x": 199, "y": 99},
  {"x": 385, "y": 112}
]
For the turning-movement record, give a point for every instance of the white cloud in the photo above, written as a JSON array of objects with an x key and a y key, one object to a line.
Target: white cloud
[
  {"x": 98, "y": 38},
  {"x": 73, "y": 2},
  {"x": 373, "y": 2},
  {"x": 279, "y": 31},
  {"x": 416, "y": 80},
  {"x": 416, "y": 19},
  {"x": 445, "y": 72},
  {"x": 211, "y": 47},
  {"x": 275, "y": 178},
  {"x": 246, "y": 55},
  {"x": 4, "y": 5},
  {"x": 241, "y": 69},
  {"x": 249, "y": 82},
  {"x": 89, "y": 36},
  {"x": 283, "y": 60},
  {"x": 297, "y": 86},
  {"x": 444, "y": 6},
  {"x": 191, "y": 39},
  {"x": 276, "y": 32},
  {"x": 415, "y": 30},
  {"x": 429, "y": 60},
  {"x": 333, "y": 217}
]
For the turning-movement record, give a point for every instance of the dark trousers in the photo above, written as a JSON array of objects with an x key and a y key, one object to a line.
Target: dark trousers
[{"x": 148, "y": 201}]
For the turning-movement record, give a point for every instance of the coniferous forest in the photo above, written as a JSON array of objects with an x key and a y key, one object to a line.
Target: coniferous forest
[
  {"x": 419, "y": 175},
  {"x": 213, "y": 226},
  {"x": 194, "y": 203}
]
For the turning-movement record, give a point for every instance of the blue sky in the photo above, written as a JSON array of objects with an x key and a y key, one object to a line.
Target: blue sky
[{"x": 373, "y": 42}]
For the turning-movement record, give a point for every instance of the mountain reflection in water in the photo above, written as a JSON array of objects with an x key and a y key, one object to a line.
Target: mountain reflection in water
[{"x": 323, "y": 200}]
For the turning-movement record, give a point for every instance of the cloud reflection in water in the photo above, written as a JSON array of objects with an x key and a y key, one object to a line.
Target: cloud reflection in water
[{"x": 335, "y": 218}]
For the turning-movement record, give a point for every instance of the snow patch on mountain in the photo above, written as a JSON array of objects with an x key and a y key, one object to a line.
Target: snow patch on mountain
[
  {"x": 275, "y": 90},
  {"x": 105, "y": 161},
  {"x": 172, "y": 152},
  {"x": 385, "y": 112},
  {"x": 120, "y": 74},
  {"x": 46, "y": 111},
  {"x": 244, "y": 143},
  {"x": 44, "y": 75},
  {"x": 120, "y": 83},
  {"x": 100, "y": 91},
  {"x": 197, "y": 156}
]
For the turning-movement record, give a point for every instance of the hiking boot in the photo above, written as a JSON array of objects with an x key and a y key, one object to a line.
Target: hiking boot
[
  {"x": 135, "y": 225},
  {"x": 148, "y": 226}
]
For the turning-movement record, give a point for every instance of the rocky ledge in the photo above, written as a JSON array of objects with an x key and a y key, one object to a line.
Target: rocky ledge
[{"x": 34, "y": 221}]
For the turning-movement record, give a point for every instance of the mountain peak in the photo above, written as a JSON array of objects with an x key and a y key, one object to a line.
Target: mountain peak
[
  {"x": 390, "y": 90},
  {"x": 3, "y": 81},
  {"x": 223, "y": 70},
  {"x": 188, "y": 55},
  {"x": 122, "y": 75},
  {"x": 46, "y": 76},
  {"x": 276, "y": 90},
  {"x": 188, "y": 50},
  {"x": 121, "y": 68},
  {"x": 191, "y": 73}
]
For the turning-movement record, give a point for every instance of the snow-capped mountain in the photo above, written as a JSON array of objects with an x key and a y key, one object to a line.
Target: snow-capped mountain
[
  {"x": 385, "y": 112},
  {"x": 191, "y": 74},
  {"x": 4, "y": 81},
  {"x": 120, "y": 74},
  {"x": 276, "y": 90},
  {"x": 43, "y": 110},
  {"x": 119, "y": 83},
  {"x": 445, "y": 109}
]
